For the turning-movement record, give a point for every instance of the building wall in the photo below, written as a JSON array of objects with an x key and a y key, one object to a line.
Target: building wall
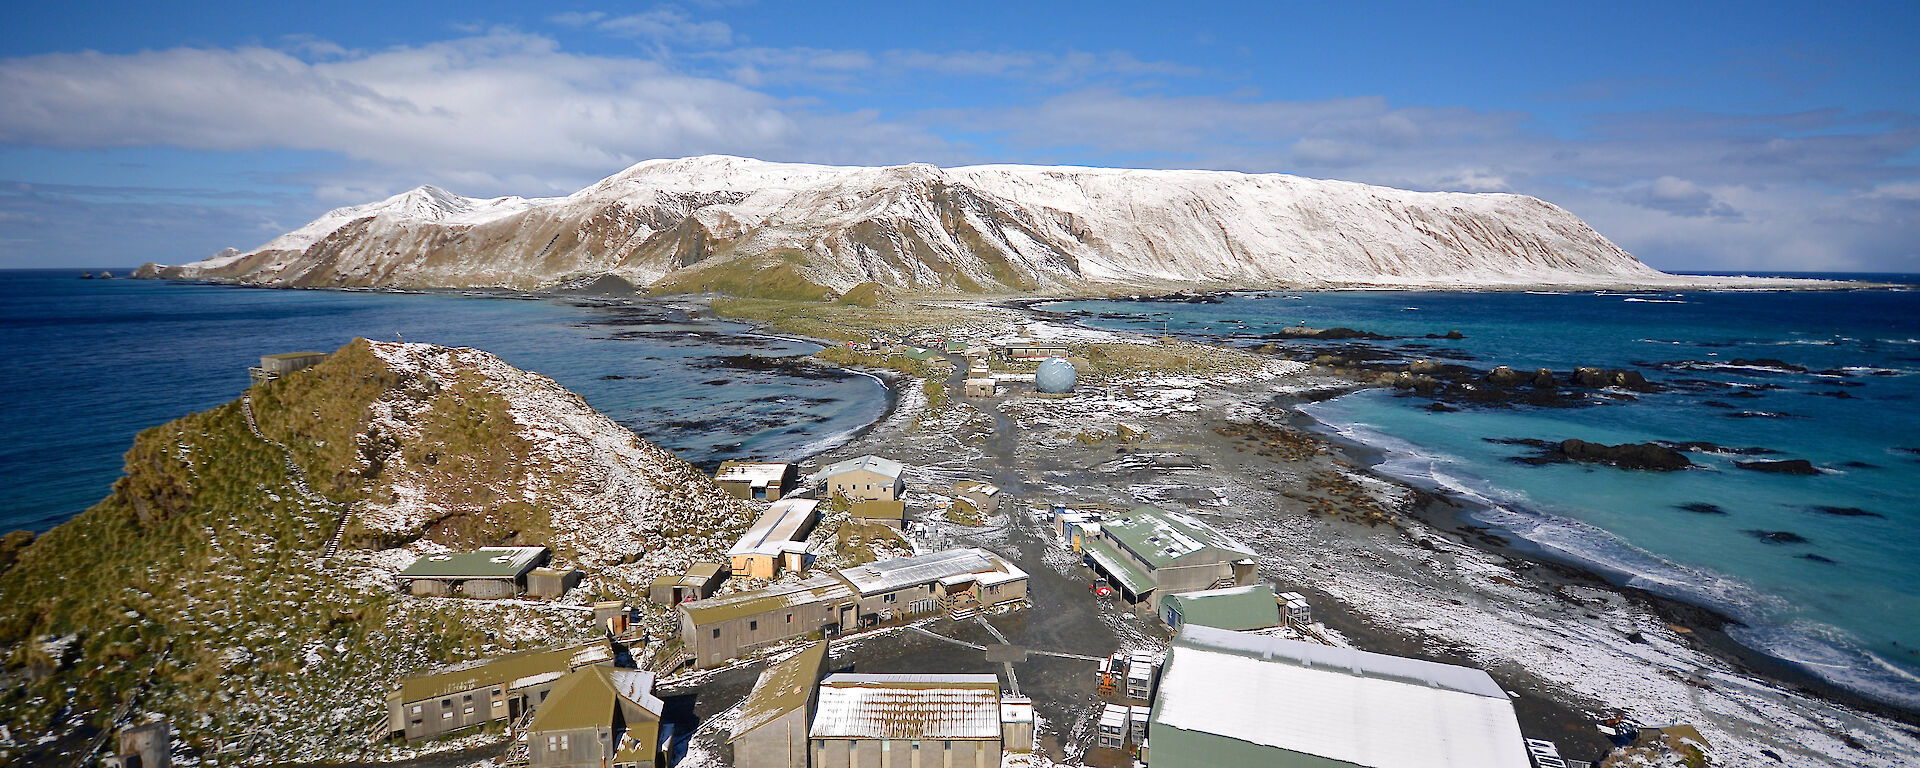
[
  {"x": 442, "y": 714},
  {"x": 781, "y": 741},
  {"x": 900, "y": 602},
  {"x": 863, "y": 485},
  {"x": 570, "y": 748},
  {"x": 754, "y": 566},
  {"x": 489, "y": 589},
  {"x": 747, "y": 632},
  {"x": 902, "y": 753},
  {"x": 1007, "y": 592}
]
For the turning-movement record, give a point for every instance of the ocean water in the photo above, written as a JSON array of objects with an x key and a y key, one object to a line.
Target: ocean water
[
  {"x": 1844, "y": 604},
  {"x": 90, "y": 363}
]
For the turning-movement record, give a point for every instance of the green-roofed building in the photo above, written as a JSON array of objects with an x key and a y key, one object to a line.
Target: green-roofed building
[
  {"x": 487, "y": 573},
  {"x": 771, "y": 729},
  {"x": 1149, "y": 553},
  {"x": 1235, "y": 608},
  {"x": 597, "y": 716},
  {"x": 475, "y": 694}
]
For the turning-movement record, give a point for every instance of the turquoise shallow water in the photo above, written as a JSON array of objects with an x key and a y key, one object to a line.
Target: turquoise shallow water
[
  {"x": 90, "y": 363},
  {"x": 1845, "y": 604}
]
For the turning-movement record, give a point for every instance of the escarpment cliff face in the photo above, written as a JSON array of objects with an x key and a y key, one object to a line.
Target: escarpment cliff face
[{"x": 745, "y": 226}]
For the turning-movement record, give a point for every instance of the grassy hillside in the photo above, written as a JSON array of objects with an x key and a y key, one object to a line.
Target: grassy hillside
[{"x": 196, "y": 589}]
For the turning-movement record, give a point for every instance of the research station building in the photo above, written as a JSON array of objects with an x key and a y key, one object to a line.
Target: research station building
[
  {"x": 1149, "y": 552},
  {"x": 868, "y": 478},
  {"x": 771, "y": 729},
  {"x": 907, "y": 721},
  {"x": 485, "y": 573},
  {"x": 778, "y": 537},
  {"x": 755, "y": 480},
  {"x": 718, "y": 629},
  {"x": 1229, "y": 699}
]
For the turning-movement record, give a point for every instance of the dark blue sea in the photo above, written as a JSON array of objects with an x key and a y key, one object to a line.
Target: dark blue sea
[
  {"x": 90, "y": 363},
  {"x": 1840, "y": 596}
]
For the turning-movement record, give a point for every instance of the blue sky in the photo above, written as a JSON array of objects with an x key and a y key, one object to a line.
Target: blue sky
[{"x": 1711, "y": 136}]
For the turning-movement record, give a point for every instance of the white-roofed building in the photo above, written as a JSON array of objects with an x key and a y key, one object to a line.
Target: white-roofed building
[
  {"x": 907, "y": 720},
  {"x": 759, "y": 551},
  {"x": 868, "y": 478},
  {"x": 954, "y": 579},
  {"x": 1232, "y": 699},
  {"x": 756, "y": 480}
]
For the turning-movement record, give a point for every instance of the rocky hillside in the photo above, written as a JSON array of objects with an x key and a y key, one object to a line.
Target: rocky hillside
[
  {"x": 197, "y": 589},
  {"x": 806, "y": 231}
]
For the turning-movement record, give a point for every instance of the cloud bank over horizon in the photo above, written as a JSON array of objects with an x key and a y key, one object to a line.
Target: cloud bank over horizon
[{"x": 228, "y": 146}]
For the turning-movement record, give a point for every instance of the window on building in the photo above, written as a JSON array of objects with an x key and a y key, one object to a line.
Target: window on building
[
  {"x": 467, "y": 711},
  {"x": 890, "y": 597},
  {"x": 789, "y": 618},
  {"x": 447, "y": 715},
  {"x": 716, "y": 633},
  {"x": 416, "y": 709},
  {"x": 553, "y": 743},
  {"x": 466, "y": 698},
  {"x": 753, "y": 626},
  {"x": 446, "y": 703},
  {"x": 496, "y": 691},
  {"x": 947, "y": 745}
]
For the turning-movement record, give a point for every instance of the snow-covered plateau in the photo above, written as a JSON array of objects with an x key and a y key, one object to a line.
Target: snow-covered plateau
[{"x": 741, "y": 225}]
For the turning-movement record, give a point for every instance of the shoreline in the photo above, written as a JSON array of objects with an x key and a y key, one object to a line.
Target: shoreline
[{"x": 1450, "y": 514}]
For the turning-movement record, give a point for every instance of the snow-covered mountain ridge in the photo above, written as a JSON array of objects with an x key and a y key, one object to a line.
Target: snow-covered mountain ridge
[{"x": 740, "y": 225}]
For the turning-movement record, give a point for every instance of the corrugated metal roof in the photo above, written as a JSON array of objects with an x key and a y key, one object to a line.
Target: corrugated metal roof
[
  {"x": 1236, "y": 608},
  {"x": 781, "y": 524},
  {"x": 486, "y": 562},
  {"x": 1361, "y": 708},
  {"x": 908, "y": 707},
  {"x": 889, "y": 575},
  {"x": 823, "y": 588},
  {"x": 756, "y": 473},
  {"x": 1162, "y": 538},
  {"x": 784, "y": 687},
  {"x": 869, "y": 462},
  {"x": 499, "y": 671},
  {"x": 1120, "y": 568}
]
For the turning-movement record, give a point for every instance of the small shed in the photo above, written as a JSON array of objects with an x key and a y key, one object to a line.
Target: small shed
[
  {"x": 145, "y": 746},
  {"x": 486, "y": 573},
  {"x": 1298, "y": 612},
  {"x": 1234, "y": 608},
  {"x": 978, "y": 387},
  {"x": 892, "y": 513},
  {"x": 1016, "y": 724},
  {"x": 983, "y": 498},
  {"x": 698, "y": 583},
  {"x": 551, "y": 583},
  {"x": 1143, "y": 670},
  {"x": 613, "y": 615},
  {"x": 274, "y": 366},
  {"x": 756, "y": 481}
]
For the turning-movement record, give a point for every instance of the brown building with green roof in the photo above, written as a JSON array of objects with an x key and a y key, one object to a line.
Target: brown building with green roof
[
  {"x": 717, "y": 629},
  {"x": 771, "y": 729}
]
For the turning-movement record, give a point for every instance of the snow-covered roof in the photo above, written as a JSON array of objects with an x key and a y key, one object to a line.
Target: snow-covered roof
[
  {"x": 822, "y": 588},
  {"x": 1161, "y": 537},
  {"x": 871, "y": 463},
  {"x": 889, "y": 575},
  {"x": 756, "y": 474},
  {"x": 486, "y": 562},
  {"x": 907, "y": 707},
  {"x": 783, "y": 523},
  {"x": 1367, "y": 709}
]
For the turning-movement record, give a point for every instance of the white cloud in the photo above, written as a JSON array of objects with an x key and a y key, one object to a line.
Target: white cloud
[{"x": 487, "y": 109}]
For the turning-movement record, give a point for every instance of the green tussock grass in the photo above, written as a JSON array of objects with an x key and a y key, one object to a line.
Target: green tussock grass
[
  {"x": 199, "y": 576},
  {"x": 777, "y": 276}
]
